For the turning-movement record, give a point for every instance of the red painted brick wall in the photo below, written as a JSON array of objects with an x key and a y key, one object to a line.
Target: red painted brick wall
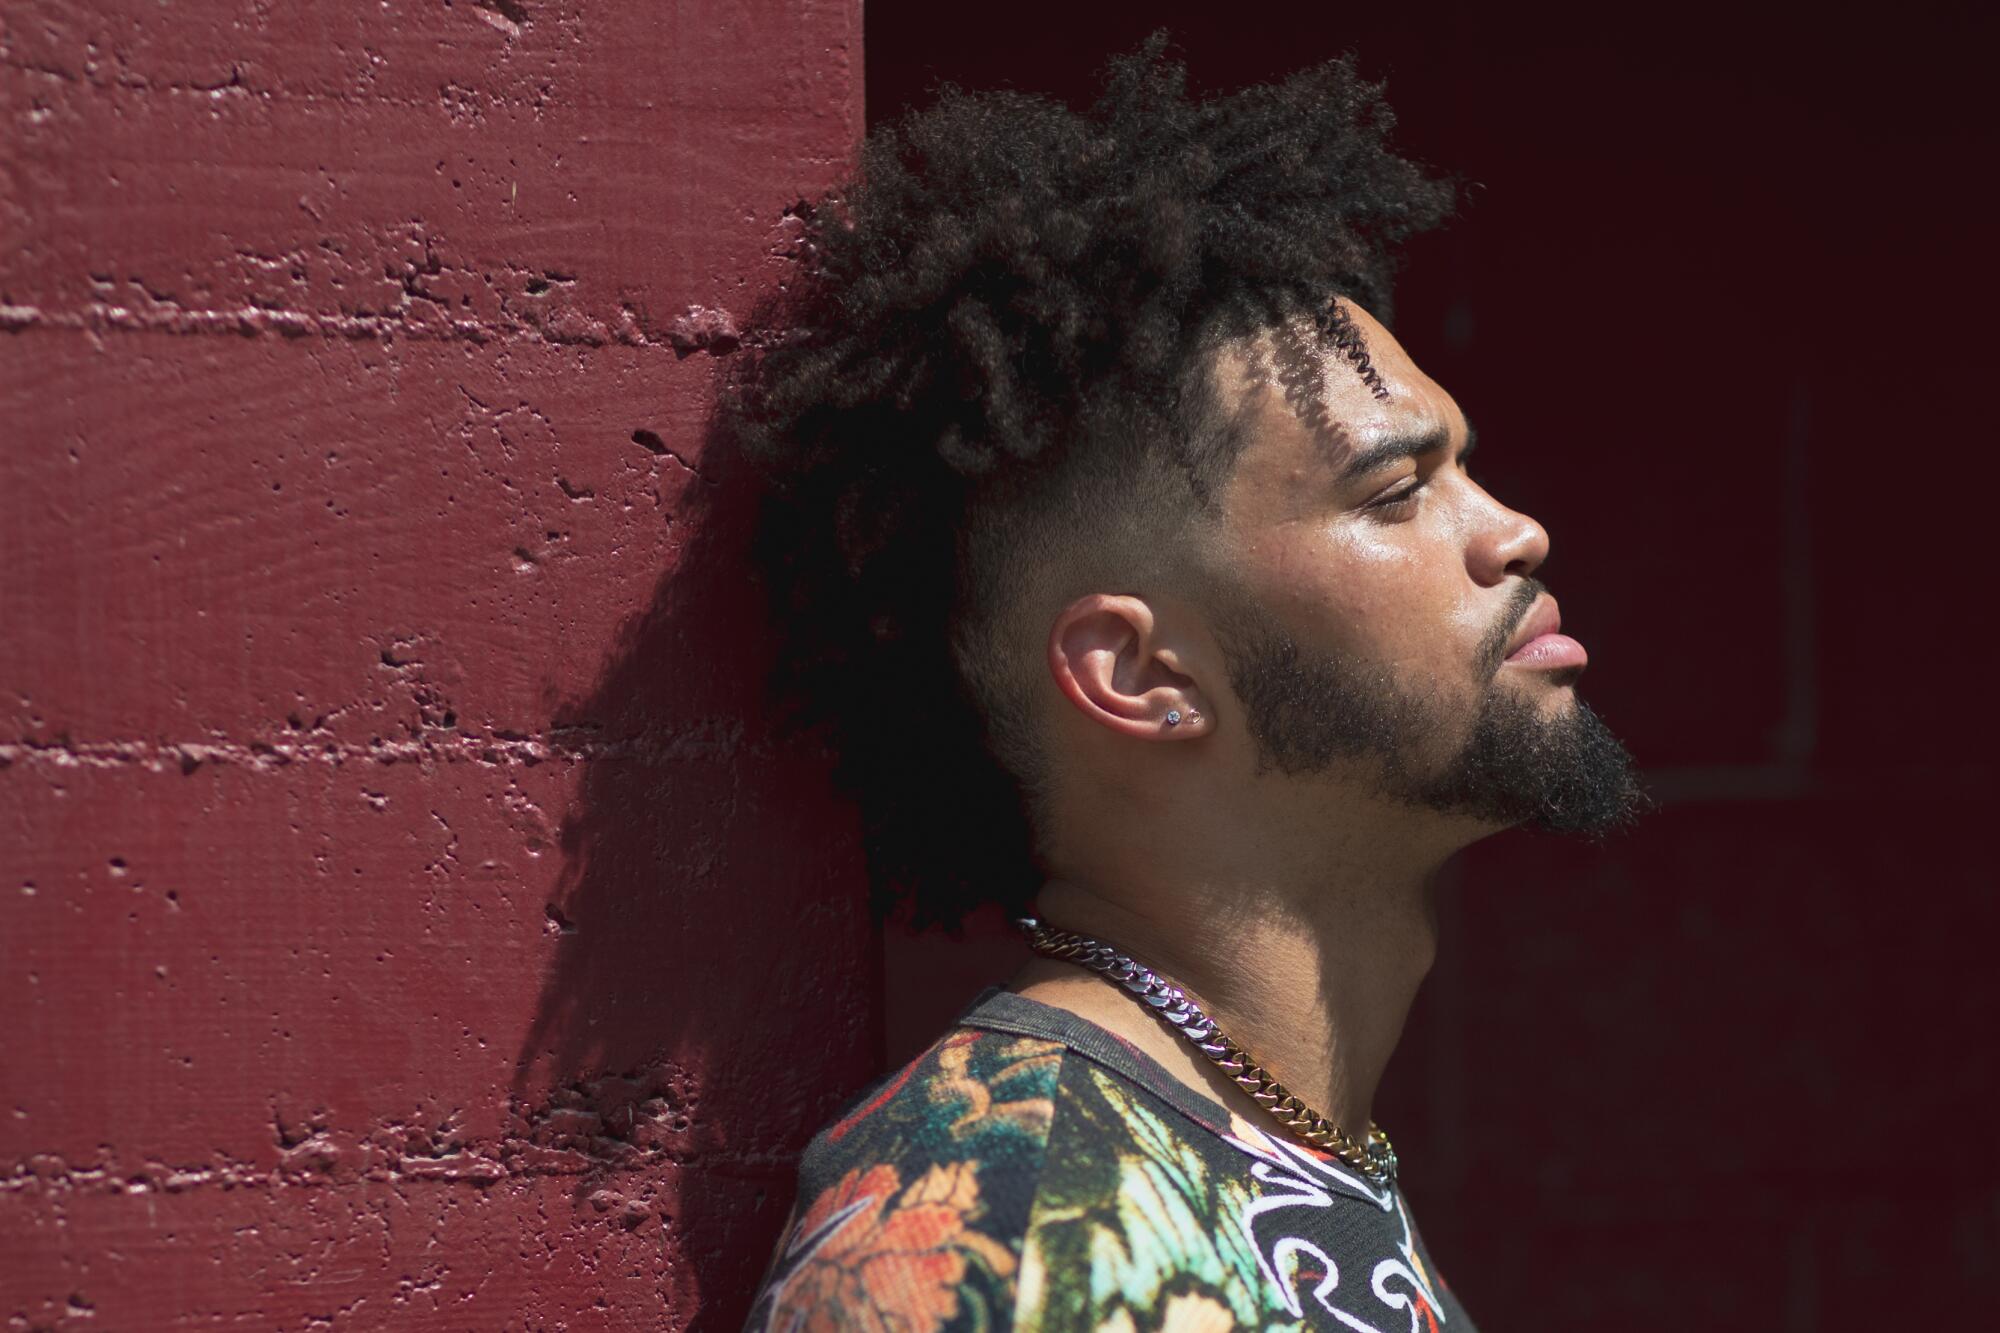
[{"x": 405, "y": 917}]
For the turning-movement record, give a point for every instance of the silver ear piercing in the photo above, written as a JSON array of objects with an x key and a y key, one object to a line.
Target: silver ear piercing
[{"x": 1174, "y": 716}]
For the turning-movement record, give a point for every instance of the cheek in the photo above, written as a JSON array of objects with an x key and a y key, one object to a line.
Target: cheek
[
  {"x": 1352, "y": 586},
  {"x": 1370, "y": 592}
]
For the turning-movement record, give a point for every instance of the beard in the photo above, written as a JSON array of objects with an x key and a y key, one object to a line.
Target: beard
[{"x": 1308, "y": 713}]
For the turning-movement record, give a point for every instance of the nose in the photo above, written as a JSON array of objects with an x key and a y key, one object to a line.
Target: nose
[{"x": 1510, "y": 544}]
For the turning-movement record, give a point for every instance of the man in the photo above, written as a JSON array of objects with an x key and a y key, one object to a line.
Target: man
[{"x": 1140, "y": 578}]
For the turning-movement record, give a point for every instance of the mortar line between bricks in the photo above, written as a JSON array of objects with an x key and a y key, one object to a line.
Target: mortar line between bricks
[
  {"x": 297, "y": 325},
  {"x": 83, "y": 1181},
  {"x": 698, "y": 742},
  {"x": 462, "y": 1168}
]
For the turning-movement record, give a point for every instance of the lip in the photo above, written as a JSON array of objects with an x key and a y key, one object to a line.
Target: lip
[
  {"x": 1539, "y": 645},
  {"x": 1544, "y": 617}
]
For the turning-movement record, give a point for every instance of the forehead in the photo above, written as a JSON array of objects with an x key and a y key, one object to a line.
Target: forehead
[{"x": 1305, "y": 408}]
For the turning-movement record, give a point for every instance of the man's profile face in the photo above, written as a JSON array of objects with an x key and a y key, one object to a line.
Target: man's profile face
[{"x": 1378, "y": 602}]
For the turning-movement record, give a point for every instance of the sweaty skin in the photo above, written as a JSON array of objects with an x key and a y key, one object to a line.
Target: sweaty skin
[{"x": 1285, "y": 882}]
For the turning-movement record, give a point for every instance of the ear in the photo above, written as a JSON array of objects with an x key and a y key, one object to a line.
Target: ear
[{"x": 1111, "y": 659}]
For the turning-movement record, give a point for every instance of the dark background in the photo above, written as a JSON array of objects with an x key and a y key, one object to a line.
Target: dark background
[{"x": 1718, "y": 305}]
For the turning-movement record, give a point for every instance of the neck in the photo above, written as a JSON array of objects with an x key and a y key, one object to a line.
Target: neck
[{"x": 1314, "y": 982}]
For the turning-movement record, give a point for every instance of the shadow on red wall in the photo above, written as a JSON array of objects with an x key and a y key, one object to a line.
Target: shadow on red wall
[{"x": 645, "y": 1074}]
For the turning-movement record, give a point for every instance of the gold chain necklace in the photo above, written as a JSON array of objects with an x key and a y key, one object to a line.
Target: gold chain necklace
[{"x": 1373, "y": 1157}]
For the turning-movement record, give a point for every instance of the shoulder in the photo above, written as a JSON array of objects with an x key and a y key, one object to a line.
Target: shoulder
[
  {"x": 1139, "y": 1222},
  {"x": 913, "y": 1205},
  {"x": 1045, "y": 1177}
]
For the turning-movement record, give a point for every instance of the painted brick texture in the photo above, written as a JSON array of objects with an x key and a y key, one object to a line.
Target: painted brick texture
[{"x": 406, "y": 919}]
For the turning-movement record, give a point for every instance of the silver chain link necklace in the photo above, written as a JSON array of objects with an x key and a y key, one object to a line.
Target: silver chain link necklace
[{"x": 1372, "y": 1157}]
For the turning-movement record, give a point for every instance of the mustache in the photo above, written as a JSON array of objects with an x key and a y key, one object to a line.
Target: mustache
[{"x": 1494, "y": 649}]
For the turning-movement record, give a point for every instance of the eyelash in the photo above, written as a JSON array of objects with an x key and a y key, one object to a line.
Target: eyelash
[
  {"x": 1403, "y": 502},
  {"x": 1407, "y": 500}
]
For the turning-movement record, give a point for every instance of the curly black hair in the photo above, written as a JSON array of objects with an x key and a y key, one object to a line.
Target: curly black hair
[{"x": 986, "y": 391}]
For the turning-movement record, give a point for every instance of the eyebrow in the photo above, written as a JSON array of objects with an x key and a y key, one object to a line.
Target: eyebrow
[{"x": 1384, "y": 452}]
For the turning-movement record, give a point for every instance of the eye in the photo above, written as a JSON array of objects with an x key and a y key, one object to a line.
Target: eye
[{"x": 1400, "y": 502}]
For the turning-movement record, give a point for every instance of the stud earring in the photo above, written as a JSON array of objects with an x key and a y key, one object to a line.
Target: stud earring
[{"x": 1173, "y": 717}]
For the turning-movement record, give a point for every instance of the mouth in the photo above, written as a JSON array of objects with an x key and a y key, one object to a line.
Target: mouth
[{"x": 1539, "y": 644}]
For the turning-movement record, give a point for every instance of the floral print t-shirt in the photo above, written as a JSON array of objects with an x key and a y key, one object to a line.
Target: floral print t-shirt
[{"x": 1031, "y": 1170}]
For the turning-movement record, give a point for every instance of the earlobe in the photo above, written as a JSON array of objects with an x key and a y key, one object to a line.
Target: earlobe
[{"x": 1108, "y": 659}]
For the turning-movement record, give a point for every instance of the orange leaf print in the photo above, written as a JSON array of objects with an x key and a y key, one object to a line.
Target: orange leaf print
[
  {"x": 956, "y": 1082},
  {"x": 887, "y": 1262}
]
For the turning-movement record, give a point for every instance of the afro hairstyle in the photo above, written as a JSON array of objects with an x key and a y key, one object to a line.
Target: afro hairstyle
[{"x": 984, "y": 390}]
